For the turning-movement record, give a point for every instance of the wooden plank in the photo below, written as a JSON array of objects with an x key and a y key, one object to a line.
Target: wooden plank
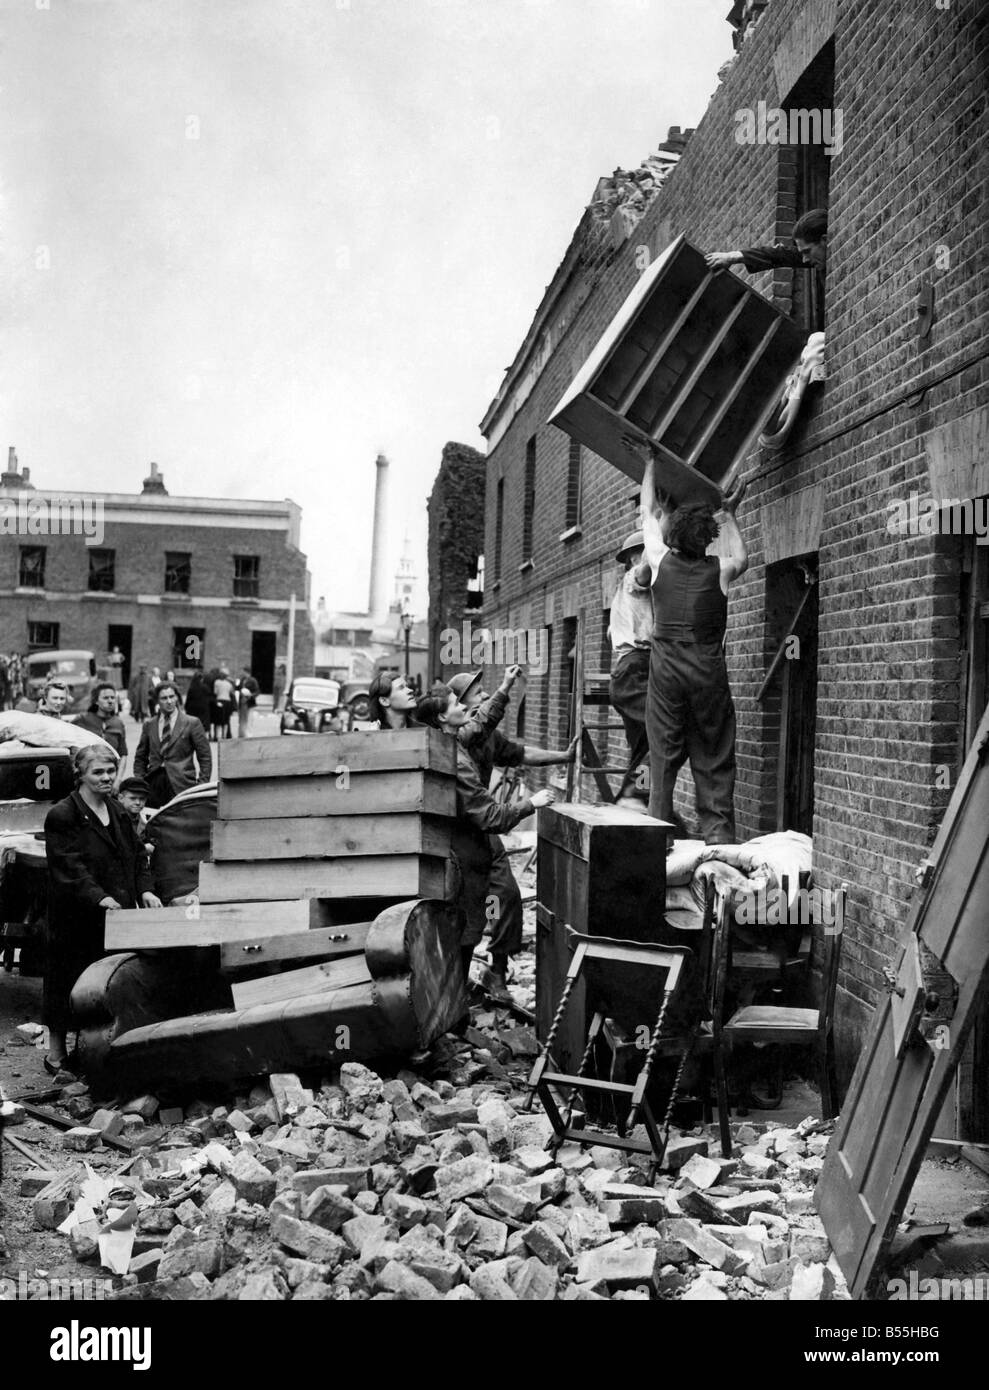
[
  {"x": 359, "y": 794},
  {"x": 322, "y": 943},
  {"x": 328, "y": 837},
  {"x": 368, "y": 876},
  {"x": 290, "y": 984},
  {"x": 208, "y": 924},
  {"x": 321, "y": 755}
]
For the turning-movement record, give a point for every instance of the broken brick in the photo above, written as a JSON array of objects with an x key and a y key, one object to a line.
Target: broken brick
[{"x": 618, "y": 1267}]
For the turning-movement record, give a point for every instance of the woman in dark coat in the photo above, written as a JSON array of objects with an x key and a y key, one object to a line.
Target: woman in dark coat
[
  {"x": 197, "y": 699},
  {"x": 479, "y": 815},
  {"x": 95, "y": 863}
]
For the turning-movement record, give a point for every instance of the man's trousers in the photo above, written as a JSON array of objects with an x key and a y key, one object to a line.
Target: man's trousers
[
  {"x": 627, "y": 693},
  {"x": 690, "y": 715},
  {"x": 503, "y": 908}
]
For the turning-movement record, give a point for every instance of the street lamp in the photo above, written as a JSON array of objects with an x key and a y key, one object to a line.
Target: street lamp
[{"x": 407, "y": 621}]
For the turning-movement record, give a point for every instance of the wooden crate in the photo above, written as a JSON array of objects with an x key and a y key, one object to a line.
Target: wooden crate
[
  {"x": 328, "y": 837},
  {"x": 694, "y": 362},
  {"x": 324, "y": 755},
  {"x": 369, "y": 876},
  {"x": 356, "y": 794},
  {"x": 601, "y": 871}
]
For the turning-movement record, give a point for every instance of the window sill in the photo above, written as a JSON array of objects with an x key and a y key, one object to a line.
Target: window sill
[
  {"x": 30, "y": 589},
  {"x": 526, "y": 565},
  {"x": 245, "y": 602},
  {"x": 571, "y": 534},
  {"x": 176, "y": 598},
  {"x": 100, "y": 593}
]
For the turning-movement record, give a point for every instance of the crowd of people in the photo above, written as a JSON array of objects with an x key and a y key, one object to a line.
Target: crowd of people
[{"x": 669, "y": 683}]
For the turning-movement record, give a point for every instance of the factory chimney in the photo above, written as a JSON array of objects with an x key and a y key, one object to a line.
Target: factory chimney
[{"x": 377, "y": 600}]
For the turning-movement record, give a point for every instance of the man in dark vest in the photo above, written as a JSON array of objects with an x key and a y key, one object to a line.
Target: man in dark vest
[{"x": 689, "y": 709}]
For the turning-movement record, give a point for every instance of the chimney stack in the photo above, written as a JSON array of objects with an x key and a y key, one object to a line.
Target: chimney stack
[
  {"x": 377, "y": 599},
  {"x": 154, "y": 483},
  {"x": 12, "y": 480}
]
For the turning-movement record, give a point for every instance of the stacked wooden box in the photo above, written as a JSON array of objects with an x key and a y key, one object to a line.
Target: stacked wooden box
[
  {"x": 330, "y": 867},
  {"x": 333, "y": 816}
]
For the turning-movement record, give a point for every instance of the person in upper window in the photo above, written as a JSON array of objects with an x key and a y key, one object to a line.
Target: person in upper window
[{"x": 809, "y": 252}]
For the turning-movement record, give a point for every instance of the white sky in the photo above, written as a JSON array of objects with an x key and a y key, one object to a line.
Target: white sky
[{"x": 344, "y": 260}]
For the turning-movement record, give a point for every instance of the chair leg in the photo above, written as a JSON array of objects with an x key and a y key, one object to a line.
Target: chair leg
[
  {"x": 825, "y": 1063},
  {"x": 724, "y": 1117}
]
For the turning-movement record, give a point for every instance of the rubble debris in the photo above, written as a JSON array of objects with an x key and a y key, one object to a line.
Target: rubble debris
[{"x": 367, "y": 1187}]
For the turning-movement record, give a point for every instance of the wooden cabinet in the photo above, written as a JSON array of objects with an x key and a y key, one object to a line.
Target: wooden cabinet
[
  {"x": 601, "y": 871},
  {"x": 694, "y": 362}
]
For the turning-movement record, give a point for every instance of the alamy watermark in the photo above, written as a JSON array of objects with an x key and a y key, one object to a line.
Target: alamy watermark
[
  {"x": 771, "y": 125},
  {"x": 500, "y": 646},
  {"x": 930, "y": 1290},
  {"x": 22, "y": 1288},
  {"x": 772, "y": 907},
  {"x": 34, "y": 514},
  {"x": 921, "y": 515}
]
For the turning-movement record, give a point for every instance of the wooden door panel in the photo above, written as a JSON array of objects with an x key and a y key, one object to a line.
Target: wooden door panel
[{"x": 904, "y": 1072}]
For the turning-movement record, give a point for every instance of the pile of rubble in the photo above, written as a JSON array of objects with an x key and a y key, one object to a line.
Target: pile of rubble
[{"x": 399, "y": 1188}]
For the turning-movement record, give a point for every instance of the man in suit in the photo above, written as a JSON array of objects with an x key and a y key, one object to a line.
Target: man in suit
[{"x": 172, "y": 744}]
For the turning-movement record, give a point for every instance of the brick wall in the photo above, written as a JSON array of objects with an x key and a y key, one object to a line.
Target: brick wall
[
  {"x": 84, "y": 617},
  {"x": 907, "y": 209},
  {"x": 456, "y": 538}
]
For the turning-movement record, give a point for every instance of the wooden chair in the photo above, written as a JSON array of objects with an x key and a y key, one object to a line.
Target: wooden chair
[
  {"x": 781, "y": 1025},
  {"x": 782, "y": 957},
  {"x": 621, "y": 1054}
]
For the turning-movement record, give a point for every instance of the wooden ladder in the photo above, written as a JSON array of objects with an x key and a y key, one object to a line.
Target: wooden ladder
[{"x": 588, "y": 762}]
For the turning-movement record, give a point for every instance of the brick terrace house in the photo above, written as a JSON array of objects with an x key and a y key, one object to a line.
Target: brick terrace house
[
  {"x": 858, "y": 742},
  {"x": 165, "y": 569}
]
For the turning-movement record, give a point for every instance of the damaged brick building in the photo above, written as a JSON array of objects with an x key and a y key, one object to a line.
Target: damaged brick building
[
  {"x": 455, "y": 545},
  {"x": 858, "y": 741}
]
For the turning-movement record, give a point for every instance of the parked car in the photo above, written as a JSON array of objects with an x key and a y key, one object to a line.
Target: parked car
[
  {"x": 310, "y": 704},
  {"x": 31, "y": 781},
  {"x": 77, "y": 669}
]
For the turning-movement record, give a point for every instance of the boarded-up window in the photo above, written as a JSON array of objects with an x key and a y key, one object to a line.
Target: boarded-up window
[
  {"x": 529, "y": 499},
  {"x": 499, "y": 526},
  {"x": 574, "y": 468}
]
